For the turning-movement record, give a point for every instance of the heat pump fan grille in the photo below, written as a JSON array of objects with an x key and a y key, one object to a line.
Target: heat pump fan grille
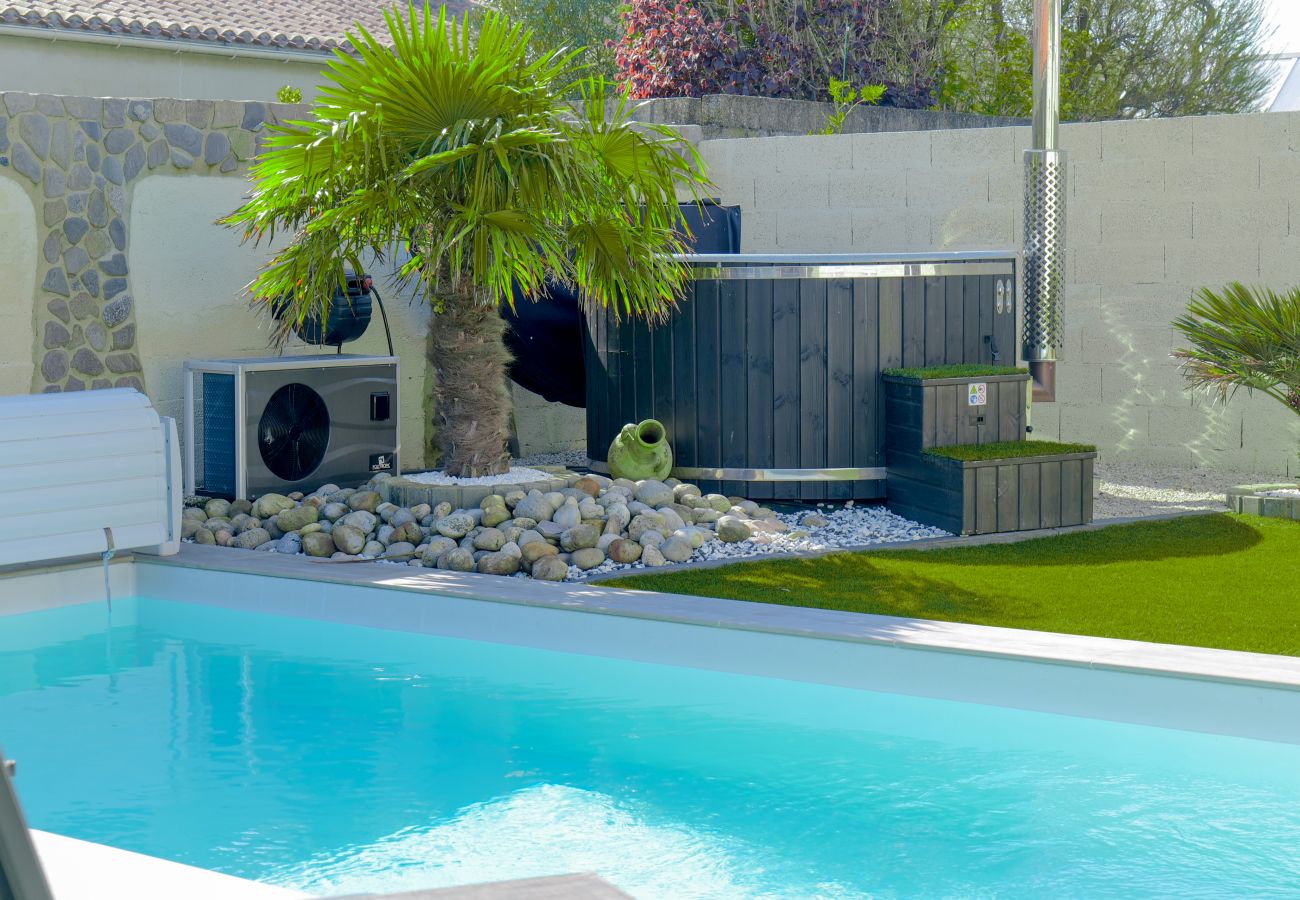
[{"x": 293, "y": 432}]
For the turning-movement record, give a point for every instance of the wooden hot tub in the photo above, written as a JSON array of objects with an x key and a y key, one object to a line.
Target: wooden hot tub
[{"x": 768, "y": 374}]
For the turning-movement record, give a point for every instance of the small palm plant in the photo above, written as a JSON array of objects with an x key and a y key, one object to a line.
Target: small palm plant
[
  {"x": 477, "y": 156},
  {"x": 1243, "y": 338}
]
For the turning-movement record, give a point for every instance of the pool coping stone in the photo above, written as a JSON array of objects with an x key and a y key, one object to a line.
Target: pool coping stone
[{"x": 1115, "y": 654}]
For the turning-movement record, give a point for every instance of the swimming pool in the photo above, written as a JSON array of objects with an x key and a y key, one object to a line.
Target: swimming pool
[{"x": 338, "y": 758}]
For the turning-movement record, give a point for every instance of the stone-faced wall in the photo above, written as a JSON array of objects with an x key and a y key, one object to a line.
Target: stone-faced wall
[{"x": 79, "y": 158}]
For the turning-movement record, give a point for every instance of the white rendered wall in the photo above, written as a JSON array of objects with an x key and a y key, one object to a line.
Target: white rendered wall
[
  {"x": 1157, "y": 209},
  {"x": 39, "y": 65},
  {"x": 18, "y": 252}
]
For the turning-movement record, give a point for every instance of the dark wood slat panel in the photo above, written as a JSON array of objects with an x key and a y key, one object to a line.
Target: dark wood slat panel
[
  {"x": 1030, "y": 514},
  {"x": 708, "y": 395},
  {"x": 986, "y": 500},
  {"x": 954, "y": 323},
  {"x": 986, "y": 319},
  {"x": 733, "y": 389},
  {"x": 1049, "y": 496},
  {"x": 970, "y": 501},
  {"x": 866, "y": 380},
  {"x": 661, "y": 394},
  {"x": 642, "y": 361},
  {"x": 946, "y": 398},
  {"x": 1088, "y": 476},
  {"x": 936, "y": 314},
  {"x": 1071, "y": 492},
  {"x": 972, "y": 344},
  {"x": 1011, "y": 402},
  {"x": 928, "y": 415},
  {"x": 758, "y": 344},
  {"x": 812, "y": 380},
  {"x": 683, "y": 425},
  {"x": 1008, "y": 497},
  {"x": 913, "y": 322},
  {"x": 785, "y": 382},
  {"x": 1005, "y": 328},
  {"x": 839, "y": 383}
]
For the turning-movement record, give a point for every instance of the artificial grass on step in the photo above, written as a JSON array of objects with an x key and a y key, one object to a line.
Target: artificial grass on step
[
  {"x": 1223, "y": 580},
  {"x": 1008, "y": 450},
  {"x": 960, "y": 370}
]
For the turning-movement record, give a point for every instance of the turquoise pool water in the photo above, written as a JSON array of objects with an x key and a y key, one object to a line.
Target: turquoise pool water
[{"x": 340, "y": 759}]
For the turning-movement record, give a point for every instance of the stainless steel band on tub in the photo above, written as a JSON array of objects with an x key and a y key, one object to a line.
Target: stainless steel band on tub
[
  {"x": 850, "y": 270},
  {"x": 707, "y": 473}
]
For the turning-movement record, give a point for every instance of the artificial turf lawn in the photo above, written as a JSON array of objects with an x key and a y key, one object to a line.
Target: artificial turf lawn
[
  {"x": 1008, "y": 450},
  {"x": 960, "y": 370},
  {"x": 1226, "y": 581}
]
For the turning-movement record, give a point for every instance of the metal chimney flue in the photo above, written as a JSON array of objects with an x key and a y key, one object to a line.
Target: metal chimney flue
[{"x": 1045, "y": 207}]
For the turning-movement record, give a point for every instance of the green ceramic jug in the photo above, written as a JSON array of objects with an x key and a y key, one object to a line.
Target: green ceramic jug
[{"x": 641, "y": 451}]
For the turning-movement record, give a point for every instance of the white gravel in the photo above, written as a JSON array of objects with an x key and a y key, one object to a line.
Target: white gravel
[
  {"x": 1136, "y": 489},
  {"x": 516, "y": 475},
  {"x": 569, "y": 458},
  {"x": 849, "y": 525}
]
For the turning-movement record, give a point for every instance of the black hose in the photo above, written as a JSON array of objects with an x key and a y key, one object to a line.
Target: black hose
[{"x": 383, "y": 314}]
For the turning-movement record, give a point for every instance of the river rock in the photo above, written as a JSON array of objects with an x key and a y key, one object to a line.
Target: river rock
[
  {"x": 334, "y": 511},
  {"x": 241, "y": 506},
  {"x": 361, "y": 520},
  {"x": 365, "y": 500},
  {"x": 442, "y": 510},
  {"x": 550, "y": 568},
  {"x": 268, "y": 505},
  {"x": 705, "y": 515},
  {"x": 407, "y": 531},
  {"x": 617, "y": 518},
  {"x": 588, "y": 558},
  {"x": 682, "y": 491},
  {"x": 216, "y": 507},
  {"x": 457, "y": 559},
  {"x": 672, "y": 521},
  {"x": 651, "y": 557},
  {"x": 349, "y": 538},
  {"x": 534, "y": 506},
  {"x": 568, "y": 514},
  {"x": 373, "y": 549},
  {"x": 204, "y": 536},
  {"x": 400, "y": 550},
  {"x": 580, "y": 537},
  {"x": 647, "y": 521},
  {"x": 498, "y": 564},
  {"x": 717, "y": 501},
  {"x": 651, "y": 538},
  {"x": 621, "y": 550},
  {"x": 731, "y": 529},
  {"x": 676, "y": 549},
  {"x": 588, "y": 485},
  {"x": 531, "y": 553},
  {"x": 291, "y": 544},
  {"x": 436, "y": 547},
  {"x": 653, "y": 493},
  {"x": 489, "y": 539},
  {"x": 401, "y": 517},
  {"x": 814, "y": 520},
  {"x": 252, "y": 539},
  {"x": 318, "y": 543},
  {"x": 189, "y": 527},
  {"x": 456, "y": 525},
  {"x": 529, "y": 536},
  {"x": 293, "y": 519},
  {"x": 311, "y": 527}
]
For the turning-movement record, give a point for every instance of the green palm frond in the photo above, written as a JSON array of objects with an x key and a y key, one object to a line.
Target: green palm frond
[
  {"x": 455, "y": 140},
  {"x": 1243, "y": 338}
]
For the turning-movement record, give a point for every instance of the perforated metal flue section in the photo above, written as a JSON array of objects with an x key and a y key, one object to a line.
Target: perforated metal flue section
[{"x": 1044, "y": 252}]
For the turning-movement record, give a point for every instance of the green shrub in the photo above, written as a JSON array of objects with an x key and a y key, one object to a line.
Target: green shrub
[{"x": 967, "y": 370}]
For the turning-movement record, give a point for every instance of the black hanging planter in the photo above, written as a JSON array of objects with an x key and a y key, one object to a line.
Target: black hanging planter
[{"x": 348, "y": 319}]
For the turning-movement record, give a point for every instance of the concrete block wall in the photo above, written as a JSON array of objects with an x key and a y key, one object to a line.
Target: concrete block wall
[{"x": 1156, "y": 210}]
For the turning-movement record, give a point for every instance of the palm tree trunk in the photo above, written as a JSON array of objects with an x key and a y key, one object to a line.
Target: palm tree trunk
[{"x": 471, "y": 400}]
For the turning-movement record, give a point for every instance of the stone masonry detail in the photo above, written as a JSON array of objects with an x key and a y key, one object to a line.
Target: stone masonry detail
[{"x": 80, "y": 158}]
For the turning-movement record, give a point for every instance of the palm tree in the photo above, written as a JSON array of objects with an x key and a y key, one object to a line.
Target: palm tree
[
  {"x": 498, "y": 170},
  {"x": 1243, "y": 338}
]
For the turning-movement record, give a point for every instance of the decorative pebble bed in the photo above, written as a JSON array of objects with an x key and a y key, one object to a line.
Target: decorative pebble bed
[{"x": 593, "y": 525}]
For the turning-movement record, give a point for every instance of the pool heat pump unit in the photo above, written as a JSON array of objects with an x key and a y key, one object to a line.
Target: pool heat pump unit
[{"x": 282, "y": 424}]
